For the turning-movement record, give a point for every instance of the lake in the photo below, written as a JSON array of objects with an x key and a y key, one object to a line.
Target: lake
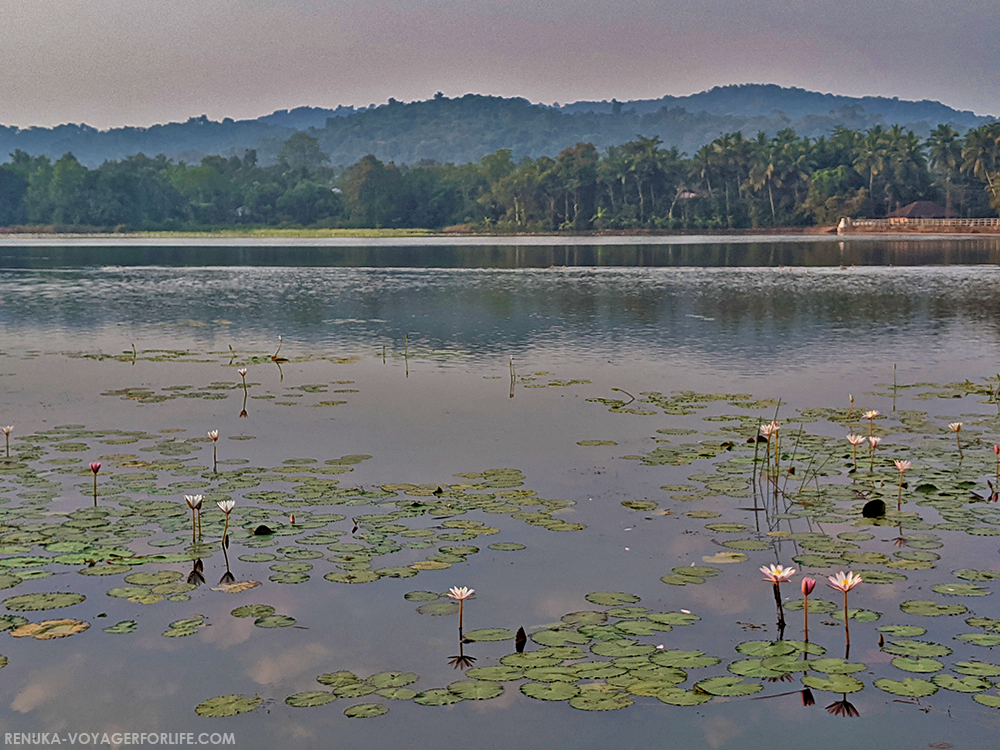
[{"x": 566, "y": 427}]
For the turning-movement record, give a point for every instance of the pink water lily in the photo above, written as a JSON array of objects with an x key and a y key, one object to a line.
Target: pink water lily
[
  {"x": 845, "y": 583},
  {"x": 777, "y": 573},
  {"x": 855, "y": 441},
  {"x": 901, "y": 466}
]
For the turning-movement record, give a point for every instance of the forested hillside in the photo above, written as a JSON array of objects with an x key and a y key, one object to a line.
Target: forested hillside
[{"x": 460, "y": 130}]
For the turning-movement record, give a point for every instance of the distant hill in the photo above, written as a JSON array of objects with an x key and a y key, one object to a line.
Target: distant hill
[{"x": 465, "y": 129}]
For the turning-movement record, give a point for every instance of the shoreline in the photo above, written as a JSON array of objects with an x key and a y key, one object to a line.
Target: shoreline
[{"x": 346, "y": 237}]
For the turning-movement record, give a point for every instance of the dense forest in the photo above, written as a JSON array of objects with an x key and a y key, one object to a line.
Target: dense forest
[
  {"x": 731, "y": 182},
  {"x": 467, "y": 128}
]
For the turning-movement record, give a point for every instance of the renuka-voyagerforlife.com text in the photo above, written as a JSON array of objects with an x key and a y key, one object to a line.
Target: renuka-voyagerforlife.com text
[{"x": 119, "y": 739}]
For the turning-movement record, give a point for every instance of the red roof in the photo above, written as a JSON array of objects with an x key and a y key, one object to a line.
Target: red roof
[{"x": 923, "y": 210}]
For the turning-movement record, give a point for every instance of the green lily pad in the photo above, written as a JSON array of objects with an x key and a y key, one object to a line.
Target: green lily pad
[
  {"x": 228, "y": 705},
  {"x": 834, "y": 683},
  {"x": 910, "y": 687},
  {"x": 680, "y": 697},
  {"x": 274, "y": 621},
  {"x": 611, "y": 598},
  {"x": 598, "y": 697},
  {"x": 929, "y": 608},
  {"x": 833, "y": 665},
  {"x": 393, "y": 679},
  {"x": 499, "y": 673},
  {"x": 40, "y": 602},
  {"x": 902, "y": 631},
  {"x": 993, "y": 701},
  {"x": 917, "y": 665},
  {"x": 960, "y": 589},
  {"x": 922, "y": 649},
  {"x": 366, "y": 711},
  {"x": 253, "y": 610},
  {"x": 727, "y": 686},
  {"x": 963, "y": 684},
  {"x": 475, "y": 690},
  {"x": 338, "y": 679},
  {"x": 125, "y": 626},
  {"x": 554, "y": 691},
  {"x": 310, "y": 698},
  {"x": 684, "y": 659},
  {"x": 490, "y": 634},
  {"x": 436, "y": 697},
  {"x": 438, "y": 608},
  {"x": 506, "y": 547},
  {"x": 977, "y": 668}
]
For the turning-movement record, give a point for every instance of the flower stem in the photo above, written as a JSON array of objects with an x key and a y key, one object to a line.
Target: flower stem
[
  {"x": 847, "y": 630},
  {"x": 805, "y": 613},
  {"x": 95, "y": 489},
  {"x": 781, "y": 610},
  {"x": 899, "y": 498}
]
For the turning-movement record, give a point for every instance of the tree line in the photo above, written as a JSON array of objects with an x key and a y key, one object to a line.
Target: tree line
[{"x": 731, "y": 182}]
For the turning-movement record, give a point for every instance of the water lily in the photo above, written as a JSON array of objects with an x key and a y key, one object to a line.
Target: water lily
[
  {"x": 6, "y": 434},
  {"x": 901, "y": 466},
  {"x": 275, "y": 355},
  {"x": 870, "y": 416},
  {"x": 213, "y": 435},
  {"x": 956, "y": 427},
  {"x": 226, "y": 506},
  {"x": 855, "y": 441},
  {"x": 845, "y": 583},
  {"x": 194, "y": 503},
  {"x": 808, "y": 584},
  {"x": 996, "y": 450},
  {"x": 873, "y": 441},
  {"x": 460, "y": 595},
  {"x": 778, "y": 574},
  {"x": 95, "y": 466}
]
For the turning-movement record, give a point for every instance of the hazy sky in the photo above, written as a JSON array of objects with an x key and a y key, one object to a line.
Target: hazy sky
[{"x": 116, "y": 62}]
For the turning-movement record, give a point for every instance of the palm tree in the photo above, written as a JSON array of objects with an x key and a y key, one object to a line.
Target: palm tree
[
  {"x": 945, "y": 156},
  {"x": 870, "y": 156}
]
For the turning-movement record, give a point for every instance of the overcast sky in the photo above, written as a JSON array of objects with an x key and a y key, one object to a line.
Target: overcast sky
[{"x": 138, "y": 62}]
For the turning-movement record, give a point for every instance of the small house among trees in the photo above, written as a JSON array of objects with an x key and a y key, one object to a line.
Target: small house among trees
[{"x": 923, "y": 210}]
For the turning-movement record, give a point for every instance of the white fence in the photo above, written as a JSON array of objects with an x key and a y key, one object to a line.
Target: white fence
[{"x": 921, "y": 223}]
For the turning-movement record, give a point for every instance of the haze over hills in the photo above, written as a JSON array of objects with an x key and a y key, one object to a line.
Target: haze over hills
[{"x": 465, "y": 129}]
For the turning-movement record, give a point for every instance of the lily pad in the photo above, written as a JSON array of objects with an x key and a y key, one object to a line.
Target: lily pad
[
  {"x": 310, "y": 698},
  {"x": 228, "y": 705},
  {"x": 909, "y": 687},
  {"x": 366, "y": 711},
  {"x": 39, "y": 602}
]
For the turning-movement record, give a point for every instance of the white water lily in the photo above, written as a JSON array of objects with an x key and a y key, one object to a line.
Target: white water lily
[
  {"x": 460, "y": 594},
  {"x": 226, "y": 506},
  {"x": 213, "y": 435},
  {"x": 193, "y": 501}
]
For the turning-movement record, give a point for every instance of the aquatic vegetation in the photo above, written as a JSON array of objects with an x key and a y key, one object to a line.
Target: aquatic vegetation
[
  {"x": 6, "y": 436},
  {"x": 95, "y": 466},
  {"x": 460, "y": 595},
  {"x": 808, "y": 584},
  {"x": 845, "y": 583},
  {"x": 956, "y": 427}
]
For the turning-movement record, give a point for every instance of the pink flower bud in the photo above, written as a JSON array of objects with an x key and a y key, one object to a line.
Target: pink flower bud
[
  {"x": 808, "y": 584},
  {"x": 996, "y": 449},
  {"x": 95, "y": 466}
]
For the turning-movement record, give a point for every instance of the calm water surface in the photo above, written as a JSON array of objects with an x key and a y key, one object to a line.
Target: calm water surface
[{"x": 415, "y": 343}]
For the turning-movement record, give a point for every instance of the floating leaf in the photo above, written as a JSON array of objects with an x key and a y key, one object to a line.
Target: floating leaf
[
  {"x": 555, "y": 691},
  {"x": 310, "y": 698},
  {"x": 597, "y": 697},
  {"x": 917, "y": 665},
  {"x": 489, "y": 634},
  {"x": 39, "y": 602},
  {"x": 236, "y": 588},
  {"x": 960, "y": 589},
  {"x": 253, "y": 610},
  {"x": 274, "y": 621},
  {"x": 611, "y": 598},
  {"x": 125, "y": 626},
  {"x": 49, "y": 629},
  {"x": 930, "y": 608},
  {"x": 475, "y": 690},
  {"x": 679, "y": 697},
  {"x": 228, "y": 705},
  {"x": 727, "y": 686},
  {"x": 834, "y": 683},
  {"x": 910, "y": 687},
  {"x": 436, "y": 697},
  {"x": 366, "y": 711},
  {"x": 963, "y": 684}
]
